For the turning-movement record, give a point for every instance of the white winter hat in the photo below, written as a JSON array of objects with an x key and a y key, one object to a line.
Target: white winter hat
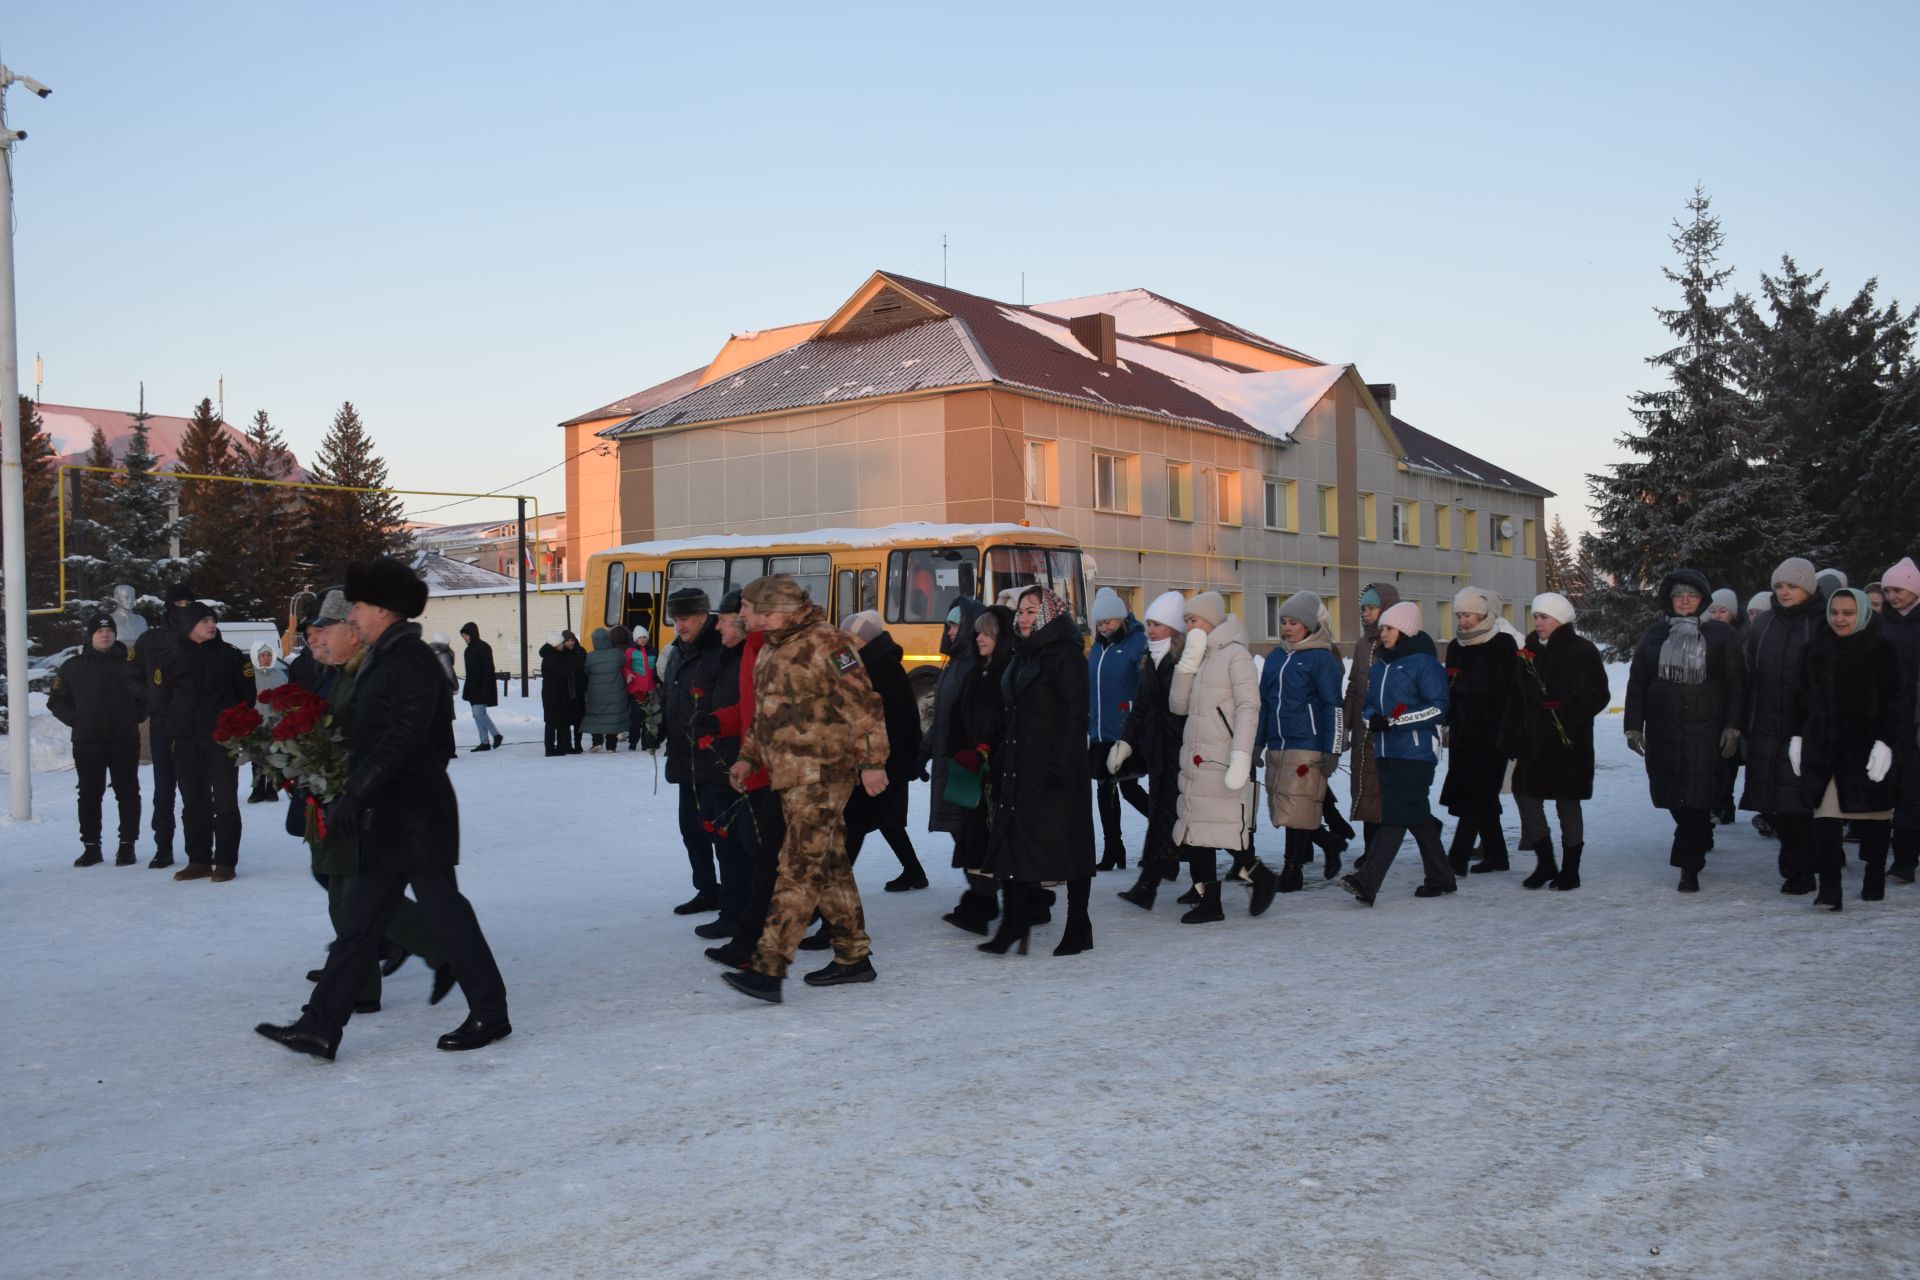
[
  {"x": 1208, "y": 607},
  {"x": 439, "y": 637},
  {"x": 556, "y": 639},
  {"x": 1554, "y": 605},
  {"x": 1403, "y": 617},
  {"x": 1107, "y": 607},
  {"x": 1169, "y": 609},
  {"x": 1476, "y": 600},
  {"x": 863, "y": 626}
]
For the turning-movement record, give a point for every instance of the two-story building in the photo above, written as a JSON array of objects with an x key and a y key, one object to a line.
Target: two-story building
[{"x": 1182, "y": 451}]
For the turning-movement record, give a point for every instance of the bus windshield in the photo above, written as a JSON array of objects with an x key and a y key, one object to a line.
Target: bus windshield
[{"x": 923, "y": 583}]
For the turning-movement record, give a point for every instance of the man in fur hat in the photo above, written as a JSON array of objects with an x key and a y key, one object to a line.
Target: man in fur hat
[{"x": 400, "y": 804}]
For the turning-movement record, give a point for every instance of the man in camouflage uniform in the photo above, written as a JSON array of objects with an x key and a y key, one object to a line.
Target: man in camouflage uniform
[{"x": 818, "y": 731}]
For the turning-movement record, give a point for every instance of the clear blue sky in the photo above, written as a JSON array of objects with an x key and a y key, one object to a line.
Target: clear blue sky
[{"x": 476, "y": 220}]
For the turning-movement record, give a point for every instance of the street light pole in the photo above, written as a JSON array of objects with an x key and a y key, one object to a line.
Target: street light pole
[{"x": 13, "y": 477}]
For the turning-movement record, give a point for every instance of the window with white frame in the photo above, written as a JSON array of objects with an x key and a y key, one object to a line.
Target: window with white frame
[
  {"x": 1226, "y": 494},
  {"x": 1116, "y": 484},
  {"x": 1279, "y": 509},
  {"x": 1406, "y": 523},
  {"x": 1179, "y": 491},
  {"x": 1043, "y": 473}
]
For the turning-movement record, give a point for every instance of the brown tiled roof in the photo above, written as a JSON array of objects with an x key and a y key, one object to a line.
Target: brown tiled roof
[
  {"x": 1431, "y": 453},
  {"x": 71, "y": 429},
  {"x": 1170, "y": 317},
  {"x": 641, "y": 401}
]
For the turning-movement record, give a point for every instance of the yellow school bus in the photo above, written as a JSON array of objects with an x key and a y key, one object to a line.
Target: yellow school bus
[{"x": 910, "y": 573}]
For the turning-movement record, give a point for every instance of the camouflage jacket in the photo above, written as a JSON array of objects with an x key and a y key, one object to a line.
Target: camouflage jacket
[{"x": 816, "y": 717}]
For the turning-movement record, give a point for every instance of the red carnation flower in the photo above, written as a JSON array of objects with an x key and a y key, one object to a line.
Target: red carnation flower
[
  {"x": 1197, "y": 759},
  {"x": 705, "y": 742},
  {"x": 1399, "y": 709},
  {"x": 1301, "y": 771},
  {"x": 698, "y": 692},
  {"x": 1527, "y": 654},
  {"x": 707, "y": 827}
]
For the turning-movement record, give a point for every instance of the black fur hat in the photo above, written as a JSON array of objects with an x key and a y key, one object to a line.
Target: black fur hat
[{"x": 386, "y": 583}]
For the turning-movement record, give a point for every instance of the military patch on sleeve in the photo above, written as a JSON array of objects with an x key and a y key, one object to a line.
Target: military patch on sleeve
[
  {"x": 844, "y": 659},
  {"x": 246, "y": 669}
]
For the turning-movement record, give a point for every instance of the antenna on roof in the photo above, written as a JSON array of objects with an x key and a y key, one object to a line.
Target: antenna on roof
[
  {"x": 39, "y": 376},
  {"x": 943, "y": 258},
  {"x": 1023, "y": 288},
  {"x": 222, "y": 393}
]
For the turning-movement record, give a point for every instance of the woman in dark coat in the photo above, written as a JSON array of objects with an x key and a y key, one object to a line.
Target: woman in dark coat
[
  {"x": 1043, "y": 825},
  {"x": 975, "y": 721},
  {"x": 482, "y": 689},
  {"x": 1152, "y": 736},
  {"x": 1686, "y": 704},
  {"x": 1846, "y": 719},
  {"x": 1776, "y": 651},
  {"x": 887, "y": 812},
  {"x": 1559, "y": 687},
  {"x": 1479, "y": 664},
  {"x": 561, "y": 683},
  {"x": 957, "y": 645}
]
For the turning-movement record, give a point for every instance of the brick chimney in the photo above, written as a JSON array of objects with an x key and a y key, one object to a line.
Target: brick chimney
[
  {"x": 1383, "y": 393},
  {"x": 1095, "y": 333}
]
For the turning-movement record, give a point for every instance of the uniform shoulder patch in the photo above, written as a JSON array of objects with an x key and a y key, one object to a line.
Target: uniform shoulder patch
[
  {"x": 845, "y": 660},
  {"x": 156, "y": 675},
  {"x": 246, "y": 669}
]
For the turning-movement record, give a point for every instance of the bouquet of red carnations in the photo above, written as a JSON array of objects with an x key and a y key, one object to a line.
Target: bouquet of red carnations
[{"x": 293, "y": 738}]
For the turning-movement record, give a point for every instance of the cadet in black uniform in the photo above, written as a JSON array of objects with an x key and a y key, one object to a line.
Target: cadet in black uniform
[
  {"x": 203, "y": 676},
  {"x": 98, "y": 694},
  {"x": 149, "y": 651}
]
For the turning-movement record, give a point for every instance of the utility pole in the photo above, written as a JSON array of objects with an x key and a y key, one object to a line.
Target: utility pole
[
  {"x": 13, "y": 492},
  {"x": 521, "y": 504}
]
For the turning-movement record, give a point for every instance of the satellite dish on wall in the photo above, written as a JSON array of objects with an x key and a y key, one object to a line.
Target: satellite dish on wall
[{"x": 1506, "y": 528}]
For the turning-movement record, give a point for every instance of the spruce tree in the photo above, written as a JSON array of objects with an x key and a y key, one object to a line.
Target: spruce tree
[
  {"x": 41, "y": 511},
  {"x": 343, "y": 527},
  {"x": 130, "y": 539},
  {"x": 1668, "y": 506},
  {"x": 213, "y": 514},
  {"x": 275, "y": 522},
  {"x": 1562, "y": 570}
]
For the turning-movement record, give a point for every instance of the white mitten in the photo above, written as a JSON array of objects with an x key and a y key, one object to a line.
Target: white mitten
[
  {"x": 1879, "y": 762},
  {"x": 1239, "y": 769},
  {"x": 1196, "y": 649},
  {"x": 1118, "y": 756},
  {"x": 1793, "y": 755}
]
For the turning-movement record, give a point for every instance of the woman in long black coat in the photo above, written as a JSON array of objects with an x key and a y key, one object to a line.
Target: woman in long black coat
[
  {"x": 1043, "y": 826},
  {"x": 886, "y": 813},
  {"x": 1153, "y": 734},
  {"x": 561, "y": 683},
  {"x": 1686, "y": 705},
  {"x": 1846, "y": 719},
  {"x": 1559, "y": 687},
  {"x": 1479, "y": 666},
  {"x": 1776, "y": 651},
  {"x": 974, "y": 726}
]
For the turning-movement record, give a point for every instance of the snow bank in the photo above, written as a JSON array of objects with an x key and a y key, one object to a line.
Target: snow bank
[{"x": 52, "y": 741}]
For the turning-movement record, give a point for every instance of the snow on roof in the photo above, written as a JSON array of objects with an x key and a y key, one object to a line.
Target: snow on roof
[
  {"x": 884, "y": 535},
  {"x": 1134, "y": 311}
]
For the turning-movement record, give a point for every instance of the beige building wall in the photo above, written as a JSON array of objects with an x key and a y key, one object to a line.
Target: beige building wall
[{"x": 497, "y": 615}]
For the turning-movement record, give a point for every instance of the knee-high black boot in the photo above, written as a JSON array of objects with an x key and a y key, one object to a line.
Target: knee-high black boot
[
  {"x": 1016, "y": 919},
  {"x": 1569, "y": 877},
  {"x": 1873, "y": 852},
  {"x": 1078, "y": 935}
]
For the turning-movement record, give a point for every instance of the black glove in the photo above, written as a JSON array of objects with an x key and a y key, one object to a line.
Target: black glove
[
  {"x": 343, "y": 815},
  {"x": 705, "y": 725},
  {"x": 1378, "y": 724}
]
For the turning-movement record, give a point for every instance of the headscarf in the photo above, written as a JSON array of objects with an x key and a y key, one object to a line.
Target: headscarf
[{"x": 1051, "y": 605}]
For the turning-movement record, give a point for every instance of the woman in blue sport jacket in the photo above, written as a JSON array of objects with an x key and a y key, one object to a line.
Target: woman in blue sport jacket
[
  {"x": 1113, "y": 677},
  {"x": 1405, "y": 703},
  {"x": 1300, "y": 728}
]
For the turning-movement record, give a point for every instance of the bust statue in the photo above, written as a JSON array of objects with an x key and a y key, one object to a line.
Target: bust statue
[{"x": 127, "y": 625}]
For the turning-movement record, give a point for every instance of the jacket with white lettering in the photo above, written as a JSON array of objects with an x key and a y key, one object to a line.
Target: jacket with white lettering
[{"x": 1408, "y": 686}]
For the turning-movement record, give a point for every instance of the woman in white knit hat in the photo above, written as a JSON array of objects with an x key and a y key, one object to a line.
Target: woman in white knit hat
[
  {"x": 1559, "y": 686},
  {"x": 1216, "y": 688},
  {"x": 1151, "y": 738},
  {"x": 1479, "y": 664},
  {"x": 1406, "y": 699}
]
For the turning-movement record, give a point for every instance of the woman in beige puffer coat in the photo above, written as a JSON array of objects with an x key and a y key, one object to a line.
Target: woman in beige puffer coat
[{"x": 1216, "y": 688}]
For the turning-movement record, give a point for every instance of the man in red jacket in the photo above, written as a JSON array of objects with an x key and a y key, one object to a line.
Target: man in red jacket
[{"x": 758, "y": 823}]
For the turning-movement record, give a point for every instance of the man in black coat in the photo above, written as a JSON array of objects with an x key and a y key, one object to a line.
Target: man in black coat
[
  {"x": 400, "y": 804},
  {"x": 98, "y": 693},
  {"x": 202, "y": 677},
  {"x": 483, "y": 689},
  {"x": 693, "y": 668},
  {"x": 152, "y": 648}
]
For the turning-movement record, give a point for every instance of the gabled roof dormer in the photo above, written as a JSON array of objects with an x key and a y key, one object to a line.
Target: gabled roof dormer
[{"x": 881, "y": 304}]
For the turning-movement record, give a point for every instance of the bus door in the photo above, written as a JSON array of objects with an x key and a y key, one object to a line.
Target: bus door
[
  {"x": 856, "y": 588},
  {"x": 633, "y": 602}
]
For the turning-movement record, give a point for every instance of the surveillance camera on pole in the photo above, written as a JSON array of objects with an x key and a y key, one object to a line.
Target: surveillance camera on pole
[{"x": 13, "y": 474}]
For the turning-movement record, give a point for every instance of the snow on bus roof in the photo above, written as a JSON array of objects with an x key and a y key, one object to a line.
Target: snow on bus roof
[{"x": 880, "y": 536}]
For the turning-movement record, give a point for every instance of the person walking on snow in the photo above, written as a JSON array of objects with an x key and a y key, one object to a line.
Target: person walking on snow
[
  {"x": 1558, "y": 688},
  {"x": 819, "y": 731},
  {"x": 1847, "y": 713},
  {"x": 1153, "y": 733},
  {"x": 975, "y": 733},
  {"x": 1216, "y": 689},
  {"x": 1406, "y": 701},
  {"x": 1113, "y": 676},
  {"x": 98, "y": 694},
  {"x": 1479, "y": 667},
  {"x": 1362, "y": 777},
  {"x": 1775, "y": 654},
  {"x": 1900, "y": 622},
  {"x": 686, "y": 694},
  {"x": 1686, "y": 708},
  {"x": 483, "y": 689},
  {"x": 1300, "y": 730},
  {"x": 886, "y": 813}
]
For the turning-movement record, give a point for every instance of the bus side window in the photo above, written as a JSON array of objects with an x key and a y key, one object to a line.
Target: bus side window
[
  {"x": 869, "y": 589},
  {"x": 616, "y": 608},
  {"x": 846, "y": 601}
]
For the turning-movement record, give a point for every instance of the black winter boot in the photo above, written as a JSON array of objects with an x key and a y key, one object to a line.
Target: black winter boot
[
  {"x": 1493, "y": 848},
  {"x": 1873, "y": 884},
  {"x": 1569, "y": 877},
  {"x": 124, "y": 856},
  {"x": 1145, "y": 889},
  {"x": 1265, "y": 885},
  {"x": 750, "y": 983},
  {"x": 1290, "y": 879},
  {"x": 1078, "y": 935},
  {"x": 1545, "y": 870},
  {"x": 89, "y": 855},
  {"x": 1207, "y": 909},
  {"x": 1829, "y": 894},
  {"x": 1191, "y": 896},
  {"x": 1015, "y": 922},
  {"x": 975, "y": 912}
]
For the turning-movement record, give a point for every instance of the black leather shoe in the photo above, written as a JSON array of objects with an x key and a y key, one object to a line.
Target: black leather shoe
[
  {"x": 474, "y": 1034},
  {"x": 89, "y": 856},
  {"x": 297, "y": 1040},
  {"x": 366, "y": 1006},
  {"x": 313, "y": 975},
  {"x": 161, "y": 860},
  {"x": 1434, "y": 890},
  {"x": 698, "y": 903},
  {"x": 443, "y": 982},
  {"x": 757, "y": 985},
  {"x": 391, "y": 958},
  {"x": 835, "y": 974},
  {"x": 1353, "y": 886},
  {"x": 728, "y": 956},
  {"x": 713, "y": 929}
]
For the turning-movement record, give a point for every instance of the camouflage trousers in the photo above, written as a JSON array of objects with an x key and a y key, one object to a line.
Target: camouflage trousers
[{"x": 814, "y": 875}]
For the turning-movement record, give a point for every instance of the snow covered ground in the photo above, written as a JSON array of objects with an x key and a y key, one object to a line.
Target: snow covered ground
[{"x": 1617, "y": 1082}]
